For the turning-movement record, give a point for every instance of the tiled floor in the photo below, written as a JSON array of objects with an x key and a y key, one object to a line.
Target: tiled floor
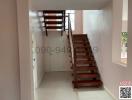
[{"x": 58, "y": 86}]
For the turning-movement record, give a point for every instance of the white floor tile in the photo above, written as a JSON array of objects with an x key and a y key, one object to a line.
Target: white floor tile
[{"x": 58, "y": 86}]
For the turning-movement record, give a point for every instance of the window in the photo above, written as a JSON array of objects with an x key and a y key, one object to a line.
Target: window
[
  {"x": 124, "y": 40},
  {"x": 124, "y": 34},
  {"x": 72, "y": 18}
]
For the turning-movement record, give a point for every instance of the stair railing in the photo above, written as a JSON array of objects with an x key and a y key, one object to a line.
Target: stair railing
[{"x": 70, "y": 36}]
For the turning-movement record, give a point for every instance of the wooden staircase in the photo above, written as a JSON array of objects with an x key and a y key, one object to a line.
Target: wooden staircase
[
  {"x": 54, "y": 20},
  {"x": 85, "y": 71},
  {"x": 84, "y": 67}
]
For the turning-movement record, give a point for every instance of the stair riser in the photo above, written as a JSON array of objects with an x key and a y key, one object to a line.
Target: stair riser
[
  {"x": 86, "y": 76},
  {"x": 86, "y": 69},
  {"x": 83, "y": 56},
  {"x": 87, "y": 84},
  {"x": 81, "y": 43},
  {"x": 85, "y": 62},
  {"x": 81, "y": 52},
  {"x": 87, "y": 47},
  {"x": 53, "y": 22},
  {"x": 84, "y": 50},
  {"x": 54, "y": 27},
  {"x": 90, "y": 64},
  {"x": 53, "y": 17},
  {"x": 77, "y": 55},
  {"x": 78, "y": 39},
  {"x": 53, "y": 11},
  {"x": 82, "y": 46}
]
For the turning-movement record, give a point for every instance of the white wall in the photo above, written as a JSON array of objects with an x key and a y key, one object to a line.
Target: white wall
[
  {"x": 25, "y": 51},
  {"x": 55, "y": 50},
  {"x": 37, "y": 41},
  {"x": 125, "y": 10},
  {"x": 129, "y": 69},
  {"x": 116, "y": 29},
  {"x": 68, "y": 4},
  {"x": 124, "y": 26},
  {"x": 9, "y": 57},
  {"x": 125, "y": 16},
  {"x": 78, "y": 22},
  {"x": 93, "y": 27},
  {"x": 99, "y": 27}
]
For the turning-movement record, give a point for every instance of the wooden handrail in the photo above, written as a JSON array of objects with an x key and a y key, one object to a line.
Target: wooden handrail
[
  {"x": 72, "y": 47},
  {"x": 70, "y": 38}
]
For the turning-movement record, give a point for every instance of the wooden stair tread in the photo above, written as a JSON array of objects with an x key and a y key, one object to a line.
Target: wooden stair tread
[
  {"x": 78, "y": 35},
  {"x": 87, "y": 75},
  {"x": 53, "y": 11},
  {"x": 84, "y": 59},
  {"x": 81, "y": 56},
  {"x": 53, "y": 22},
  {"x": 83, "y": 53},
  {"x": 80, "y": 51},
  {"x": 83, "y": 49},
  {"x": 78, "y": 38},
  {"x": 81, "y": 46},
  {"x": 52, "y": 17},
  {"x": 85, "y": 68},
  {"x": 85, "y": 62},
  {"x": 88, "y": 83},
  {"x": 53, "y": 27},
  {"x": 81, "y": 65},
  {"x": 80, "y": 41}
]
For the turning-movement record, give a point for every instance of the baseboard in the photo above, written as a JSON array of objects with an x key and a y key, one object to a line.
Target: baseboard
[{"x": 108, "y": 91}]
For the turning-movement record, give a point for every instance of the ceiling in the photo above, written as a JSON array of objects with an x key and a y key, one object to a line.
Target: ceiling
[{"x": 68, "y": 4}]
